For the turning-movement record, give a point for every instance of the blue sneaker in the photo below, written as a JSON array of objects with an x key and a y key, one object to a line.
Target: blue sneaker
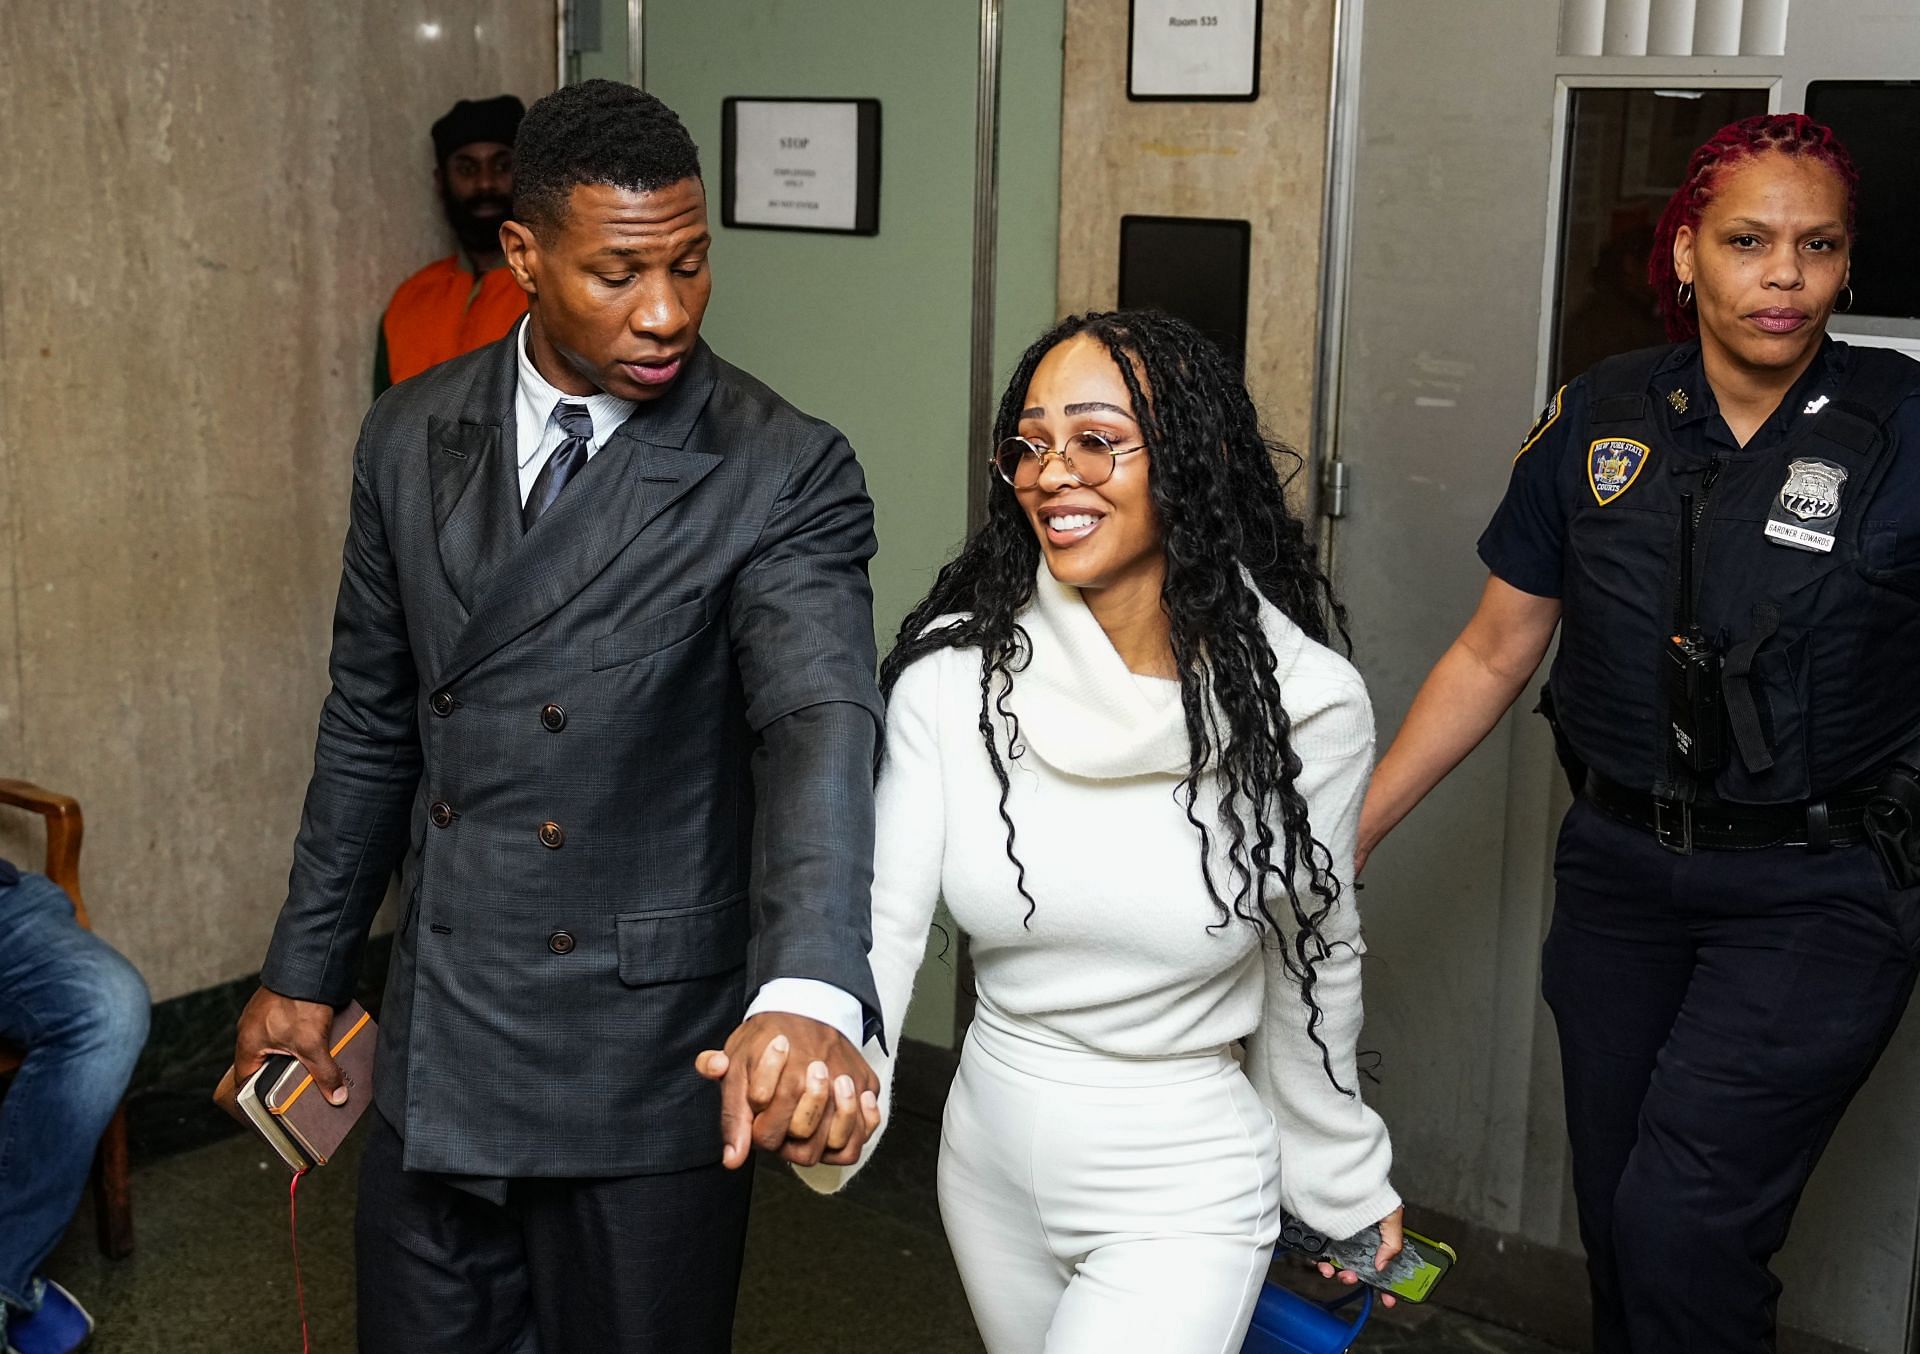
[{"x": 59, "y": 1327}]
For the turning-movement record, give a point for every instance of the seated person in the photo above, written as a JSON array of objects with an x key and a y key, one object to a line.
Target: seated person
[{"x": 80, "y": 1011}]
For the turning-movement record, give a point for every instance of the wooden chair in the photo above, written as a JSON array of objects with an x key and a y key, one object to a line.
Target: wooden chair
[{"x": 112, "y": 1197}]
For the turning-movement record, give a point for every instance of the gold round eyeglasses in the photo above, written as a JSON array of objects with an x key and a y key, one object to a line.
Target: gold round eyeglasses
[{"x": 1088, "y": 458}]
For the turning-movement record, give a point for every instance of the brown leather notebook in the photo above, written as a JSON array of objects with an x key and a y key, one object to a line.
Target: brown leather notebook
[{"x": 283, "y": 1105}]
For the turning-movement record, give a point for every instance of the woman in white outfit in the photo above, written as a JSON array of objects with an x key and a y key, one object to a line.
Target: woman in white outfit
[{"x": 1118, "y": 746}]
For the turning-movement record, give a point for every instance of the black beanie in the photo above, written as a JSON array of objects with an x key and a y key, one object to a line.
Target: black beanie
[{"x": 472, "y": 120}]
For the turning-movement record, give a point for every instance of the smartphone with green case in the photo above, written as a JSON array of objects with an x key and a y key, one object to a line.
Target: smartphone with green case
[
  {"x": 1433, "y": 1258},
  {"x": 1412, "y": 1275}
]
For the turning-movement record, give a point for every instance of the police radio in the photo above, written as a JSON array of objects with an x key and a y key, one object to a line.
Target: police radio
[{"x": 1695, "y": 715}]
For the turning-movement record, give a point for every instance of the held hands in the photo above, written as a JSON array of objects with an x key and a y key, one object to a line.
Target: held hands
[
  {"x": 272, "y": 1024},
  {"x": 1392, "y": 1238},
  {"x": 793, "y": 1086}
]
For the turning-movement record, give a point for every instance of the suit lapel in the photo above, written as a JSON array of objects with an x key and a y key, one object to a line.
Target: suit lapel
[
  {"x": 643, "y": 470},
  {"x": 476, "y": 481}
]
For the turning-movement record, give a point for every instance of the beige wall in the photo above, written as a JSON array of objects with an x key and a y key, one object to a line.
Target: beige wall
[
  {"x": 1262, "y": 162},
  {"x": 204, "y": 205}
]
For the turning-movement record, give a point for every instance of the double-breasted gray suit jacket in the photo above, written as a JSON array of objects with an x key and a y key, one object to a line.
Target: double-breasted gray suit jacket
[{"x": 623, "y": 762}]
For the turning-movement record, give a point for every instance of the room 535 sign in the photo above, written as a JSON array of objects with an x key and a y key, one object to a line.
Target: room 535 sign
[{"x": 1194, "y": 49}]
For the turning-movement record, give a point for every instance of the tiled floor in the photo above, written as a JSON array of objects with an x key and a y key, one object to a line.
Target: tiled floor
[{"x": 212, "y": 1270}]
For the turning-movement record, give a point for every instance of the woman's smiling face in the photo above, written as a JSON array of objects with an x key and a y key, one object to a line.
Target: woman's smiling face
[{"x": 1098, "y": 536}]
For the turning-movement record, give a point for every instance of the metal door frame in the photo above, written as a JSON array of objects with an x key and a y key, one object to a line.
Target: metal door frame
[
  {"x": 1564, "y": 85},
  {"x": 636, "y": 42},
  {"x": 1344, "y": 87},
  {"x": 1336, "y": 250}
]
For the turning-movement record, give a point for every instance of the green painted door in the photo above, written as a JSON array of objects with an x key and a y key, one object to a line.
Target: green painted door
[{"x": 874, "y": 333}]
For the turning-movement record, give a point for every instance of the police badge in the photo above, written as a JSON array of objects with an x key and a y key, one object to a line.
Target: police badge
[
  {"x": 1807, "y": 508},
  {"x": 1613, "y": 463}
]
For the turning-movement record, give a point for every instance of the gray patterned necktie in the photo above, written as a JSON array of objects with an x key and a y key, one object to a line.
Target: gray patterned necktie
[{"x": 562, "y": 465}]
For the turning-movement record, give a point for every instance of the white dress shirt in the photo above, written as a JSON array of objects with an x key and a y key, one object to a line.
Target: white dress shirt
[{"x": 537, "y": 433}]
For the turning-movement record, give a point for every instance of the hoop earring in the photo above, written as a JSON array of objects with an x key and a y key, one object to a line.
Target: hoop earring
[
  {"x": 1685, "y": 294},
  {"x": 1848, "y": 289}
]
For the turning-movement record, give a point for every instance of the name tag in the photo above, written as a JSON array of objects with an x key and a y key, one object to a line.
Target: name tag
[{"x": 1799, "y": 537}]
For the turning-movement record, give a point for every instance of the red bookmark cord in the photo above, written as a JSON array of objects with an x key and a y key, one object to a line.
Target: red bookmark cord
[{"x": 293, "y": 1231}]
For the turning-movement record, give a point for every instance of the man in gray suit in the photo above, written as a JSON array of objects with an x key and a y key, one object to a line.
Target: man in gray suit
[{"x": 603, "y": 690}]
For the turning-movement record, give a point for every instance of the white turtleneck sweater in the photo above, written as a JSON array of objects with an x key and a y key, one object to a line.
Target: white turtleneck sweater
[{"x": 1125, "y": 953}]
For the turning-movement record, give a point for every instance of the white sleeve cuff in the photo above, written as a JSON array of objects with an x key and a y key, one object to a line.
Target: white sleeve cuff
[{"x": 816, "y": 1000}]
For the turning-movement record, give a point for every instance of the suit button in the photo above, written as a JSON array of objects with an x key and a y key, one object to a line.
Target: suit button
[
  {"x": 560, "y": 942},
  {"x": 552, "y": 837},
  {"x": 441, "y": 814},
  {"x": 442, "y": 703},
  {"x": 552, "y": 718}
]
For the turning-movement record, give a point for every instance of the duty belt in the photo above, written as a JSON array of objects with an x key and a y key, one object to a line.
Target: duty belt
[{"x": 1818, "y": 824}]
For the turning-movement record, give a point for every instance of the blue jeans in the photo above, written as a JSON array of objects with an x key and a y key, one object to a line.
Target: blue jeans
[{"x": 80, "y": 1011}]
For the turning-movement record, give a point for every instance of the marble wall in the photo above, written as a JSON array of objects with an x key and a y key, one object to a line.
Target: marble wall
[
  {"x": 204, "y": 204},
  {"x": 1262, "y": 161}
]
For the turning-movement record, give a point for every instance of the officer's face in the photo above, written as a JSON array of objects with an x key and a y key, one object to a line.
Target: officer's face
[
  {"x": 1768, "y": 260},
  {"x": 617, "y": 289},
  {"x": 1099, "y": 536}
]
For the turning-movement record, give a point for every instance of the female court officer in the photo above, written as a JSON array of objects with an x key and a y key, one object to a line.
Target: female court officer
[{"x": 1726, "y": 531}]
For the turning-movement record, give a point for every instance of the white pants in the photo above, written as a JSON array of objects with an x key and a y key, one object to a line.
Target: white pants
[{"x": 1101, "y": 1205}]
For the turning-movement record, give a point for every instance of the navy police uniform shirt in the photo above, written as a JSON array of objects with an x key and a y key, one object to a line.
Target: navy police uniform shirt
[
  {"x": 8, "y": 875},
  {"x": 1813, "y": 635},
  {"x": 1524, "y": 544}
]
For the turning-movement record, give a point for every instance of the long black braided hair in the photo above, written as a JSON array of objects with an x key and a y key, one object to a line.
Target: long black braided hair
[{"x": 1216, "y": 487}]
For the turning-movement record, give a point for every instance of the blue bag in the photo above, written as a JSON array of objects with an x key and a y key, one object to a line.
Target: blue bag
[{"x": 1286, "y": 1323}]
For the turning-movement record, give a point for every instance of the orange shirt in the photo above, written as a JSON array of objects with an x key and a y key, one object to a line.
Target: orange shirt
[{"x": 439, "y": 313}]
